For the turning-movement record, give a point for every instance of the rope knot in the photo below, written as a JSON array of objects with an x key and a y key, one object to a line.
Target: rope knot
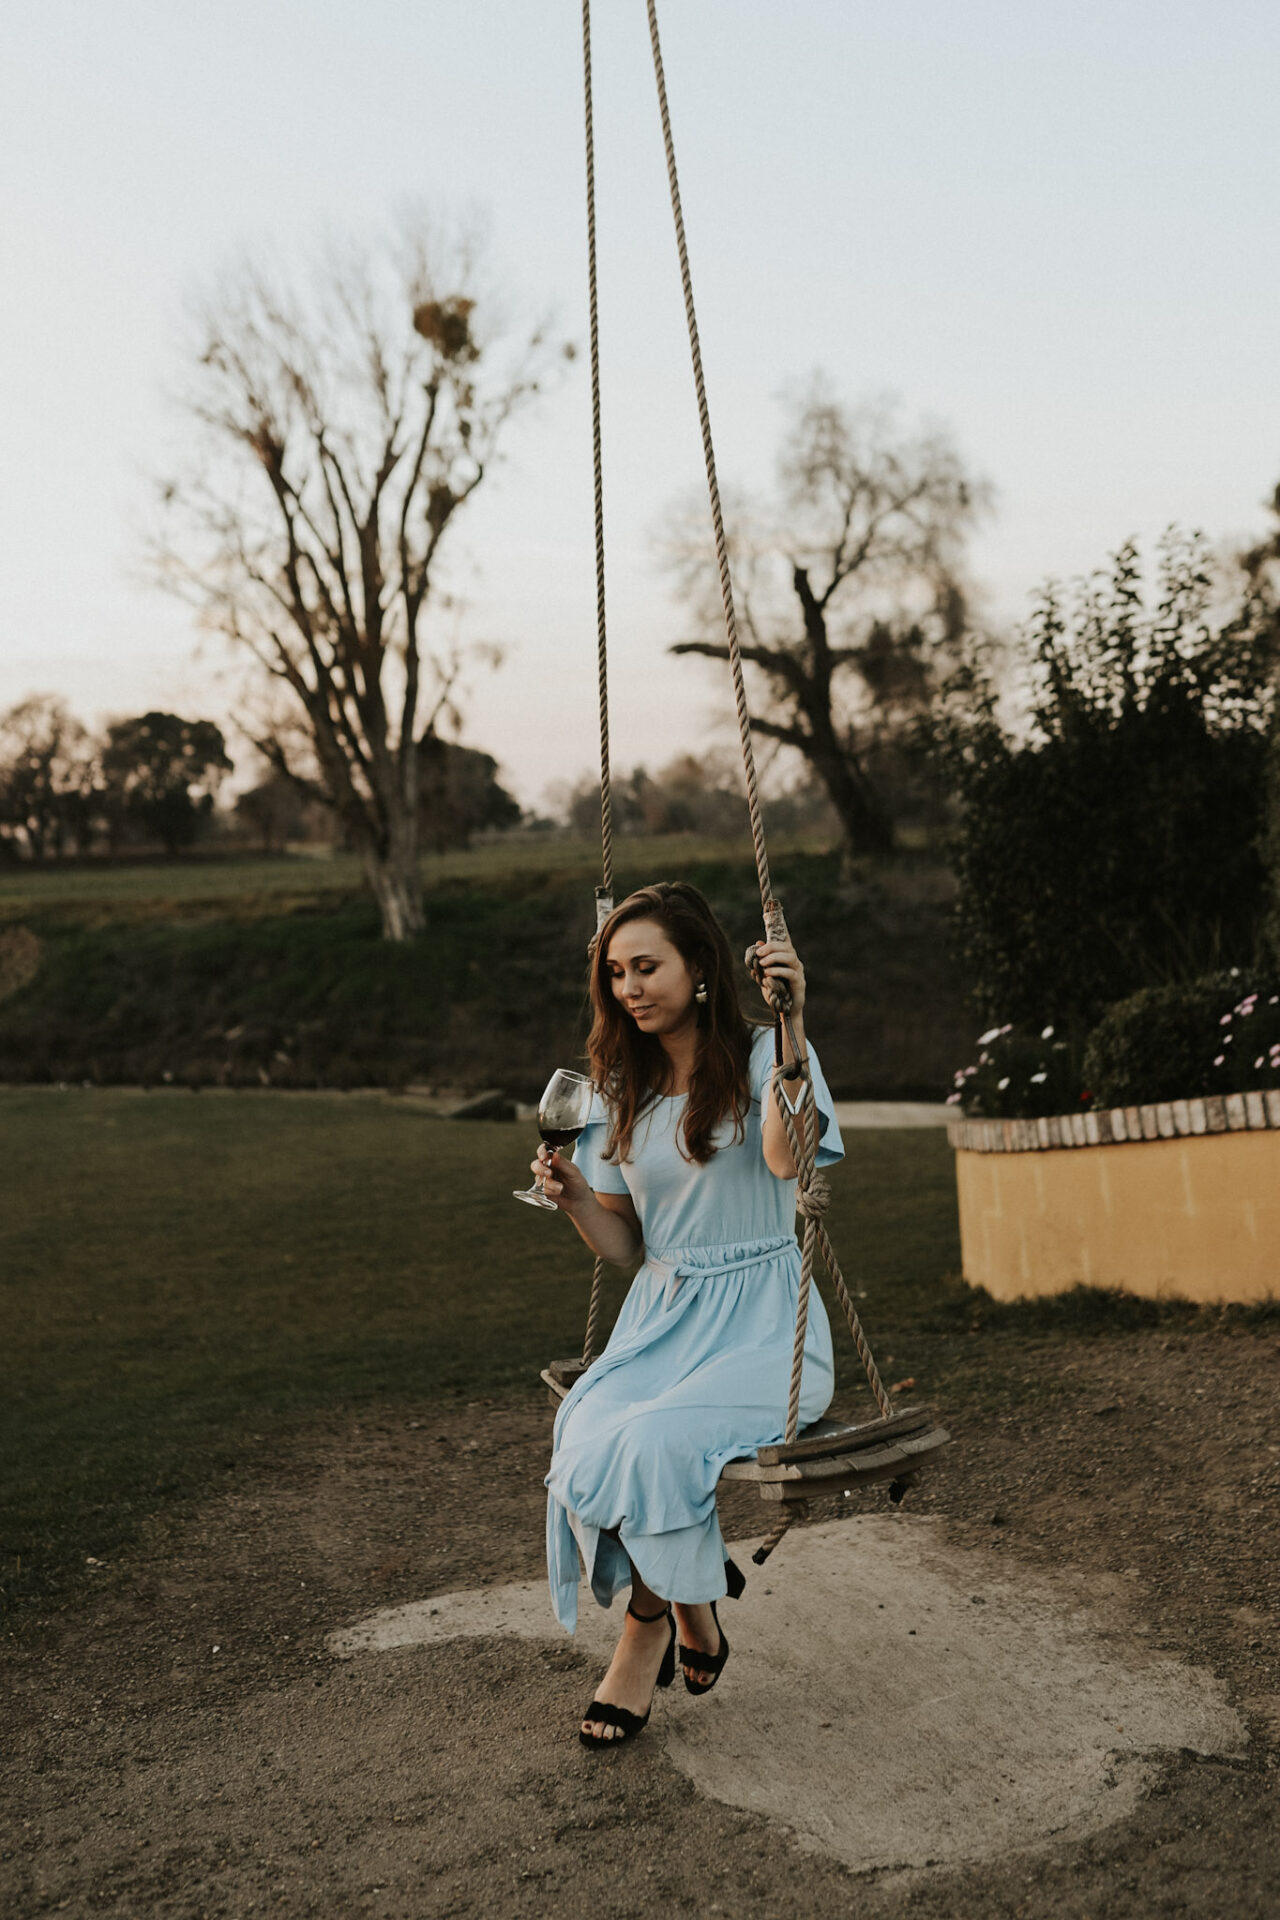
[{"x": 814, "y": 1200}]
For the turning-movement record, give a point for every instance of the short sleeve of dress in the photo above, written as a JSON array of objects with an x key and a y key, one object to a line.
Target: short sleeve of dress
[
  {"x": 830, "y": 1145},
  {"x": 601, "y": 1175}
]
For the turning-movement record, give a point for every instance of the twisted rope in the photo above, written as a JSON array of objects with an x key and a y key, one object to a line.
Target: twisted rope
[
  {"x": 713, "y": 485},
  {"x": 602, "y": 652},
  {"x": 813, "y": 1197},
  {"x": 813, "y": 1194},
  {"x": 799, "y": 1510},
  {"x": 604, "y": 892}
]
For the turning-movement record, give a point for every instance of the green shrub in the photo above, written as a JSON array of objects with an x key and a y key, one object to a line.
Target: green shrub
[
  {"x": 1270, "y": 846},
  {"x": 1218, "y": 1034},
  {"x": 1115, "y": 845}
]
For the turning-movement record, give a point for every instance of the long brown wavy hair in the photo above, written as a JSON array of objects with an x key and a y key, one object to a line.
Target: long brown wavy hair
[{"x": 631, "y": 1068}]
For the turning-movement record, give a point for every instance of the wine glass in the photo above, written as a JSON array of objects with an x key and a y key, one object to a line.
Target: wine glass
[{"x": 562, "y": 1114}]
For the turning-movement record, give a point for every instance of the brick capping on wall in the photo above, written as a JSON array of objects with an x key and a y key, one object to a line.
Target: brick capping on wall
[{"x": 1168, "y": 1120}]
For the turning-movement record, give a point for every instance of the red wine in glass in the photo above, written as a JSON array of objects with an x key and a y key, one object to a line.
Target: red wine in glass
[{"x": 562, "y": 1114}]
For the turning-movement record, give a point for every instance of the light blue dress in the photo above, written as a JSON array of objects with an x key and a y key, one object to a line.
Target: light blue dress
[{"x": 697, "y": 1368}]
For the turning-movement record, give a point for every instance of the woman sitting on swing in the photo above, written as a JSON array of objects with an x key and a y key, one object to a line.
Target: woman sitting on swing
[{"x": 686, "y": 1158}]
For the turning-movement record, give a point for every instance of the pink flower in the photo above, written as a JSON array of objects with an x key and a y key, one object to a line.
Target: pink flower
[{"x": 1221, "y": 1060}]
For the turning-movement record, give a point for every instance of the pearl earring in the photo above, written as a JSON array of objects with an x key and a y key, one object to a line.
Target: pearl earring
[{"x": 700, "y": 993}]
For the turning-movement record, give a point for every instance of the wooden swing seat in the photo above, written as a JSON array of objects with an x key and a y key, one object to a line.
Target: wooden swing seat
[{"x": 829, "y": 1458}]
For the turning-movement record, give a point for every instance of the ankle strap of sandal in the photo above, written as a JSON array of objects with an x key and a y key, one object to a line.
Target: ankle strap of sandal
[{"x": 647, "y": 1618}]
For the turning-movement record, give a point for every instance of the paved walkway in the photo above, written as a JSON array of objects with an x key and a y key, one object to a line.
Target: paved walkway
[{"x": 892, "y": 1113}]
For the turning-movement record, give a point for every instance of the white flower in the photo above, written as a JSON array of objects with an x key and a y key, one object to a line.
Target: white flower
[
  {"x": 1047, "y": 1034},
  {"x": 992, "y": 1033},
  {"x": 1036, "y": 1078},
  {"x": 1221, "y": 1060},
  {"x": 1002, "y": 1084}
]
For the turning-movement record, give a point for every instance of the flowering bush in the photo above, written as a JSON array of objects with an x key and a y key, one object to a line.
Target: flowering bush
[
  {"x": 1218, "y": 1034},
  {"x": 1020, "y": 1075}
]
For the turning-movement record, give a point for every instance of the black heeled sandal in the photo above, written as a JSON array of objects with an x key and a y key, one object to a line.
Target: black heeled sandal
[
  {"x": 629, "y": 1724},
  {"x": 712, "y": 1663}
]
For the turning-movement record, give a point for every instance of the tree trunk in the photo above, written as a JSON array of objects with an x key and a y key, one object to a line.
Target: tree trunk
[
  {"x": 867, "y": 825},
  {"x": 399, "y": 897},
  {"x": 397, "y": 884}
]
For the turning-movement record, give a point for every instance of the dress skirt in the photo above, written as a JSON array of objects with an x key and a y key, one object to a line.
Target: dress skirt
[{"x": 696, "y": 1373}]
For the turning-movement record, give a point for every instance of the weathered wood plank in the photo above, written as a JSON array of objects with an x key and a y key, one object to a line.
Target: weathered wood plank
[
  {"x": 838, "y": 1466},
  {"x": 836, "y": 1436},
  {"x": 876, "y": 1463},
  {"x": 790, "y": 1492},
  {"x": 566, "y": 1372}
]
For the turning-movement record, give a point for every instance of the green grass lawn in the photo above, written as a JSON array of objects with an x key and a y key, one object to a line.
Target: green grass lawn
[{"x": 186, "y": 1276}]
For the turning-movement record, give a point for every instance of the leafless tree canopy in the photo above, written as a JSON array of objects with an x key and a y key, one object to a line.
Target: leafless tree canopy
[
  {"x": 848, "y": 589},
  {"x": 341, "y": 426}
]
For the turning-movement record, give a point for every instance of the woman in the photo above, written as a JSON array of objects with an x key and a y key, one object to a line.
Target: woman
[{"x": 685, "y": 1158}]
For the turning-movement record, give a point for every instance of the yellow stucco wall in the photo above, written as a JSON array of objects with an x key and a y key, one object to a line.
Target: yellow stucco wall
[{"x": 1197, "y": 1219}]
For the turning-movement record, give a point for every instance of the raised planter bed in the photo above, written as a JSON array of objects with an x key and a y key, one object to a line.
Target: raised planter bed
[{"x": 1178, "y": 1200}]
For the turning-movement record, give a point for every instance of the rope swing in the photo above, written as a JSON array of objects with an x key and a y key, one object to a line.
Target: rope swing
[{"x": 828, "y": 1458}]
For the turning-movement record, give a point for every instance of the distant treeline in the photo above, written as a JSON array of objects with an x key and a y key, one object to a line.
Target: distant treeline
[{"x": 153, "y": 781}]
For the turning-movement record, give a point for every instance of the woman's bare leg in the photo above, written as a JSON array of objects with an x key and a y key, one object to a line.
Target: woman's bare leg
[
  {"x": 698, "y": 1631},
  {"x": 633, "y": 1672}
]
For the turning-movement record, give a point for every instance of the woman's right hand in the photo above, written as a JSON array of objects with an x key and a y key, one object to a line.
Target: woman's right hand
[{"x": 561, "y": 1180}]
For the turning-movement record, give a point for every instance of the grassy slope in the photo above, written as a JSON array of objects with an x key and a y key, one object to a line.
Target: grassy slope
[{"x": 225, "y": 972}]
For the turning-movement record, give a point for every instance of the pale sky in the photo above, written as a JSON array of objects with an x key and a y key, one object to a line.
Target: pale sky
[{"x": 1052, "y": 229}]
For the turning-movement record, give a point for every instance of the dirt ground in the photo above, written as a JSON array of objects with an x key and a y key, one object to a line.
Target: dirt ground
[{"x": 180, "y": 1743}]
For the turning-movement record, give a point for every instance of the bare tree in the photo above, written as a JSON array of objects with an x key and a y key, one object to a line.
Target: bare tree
[
  {"x": 849, "y": 593},
  {"x": 341, "y": 430}
]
